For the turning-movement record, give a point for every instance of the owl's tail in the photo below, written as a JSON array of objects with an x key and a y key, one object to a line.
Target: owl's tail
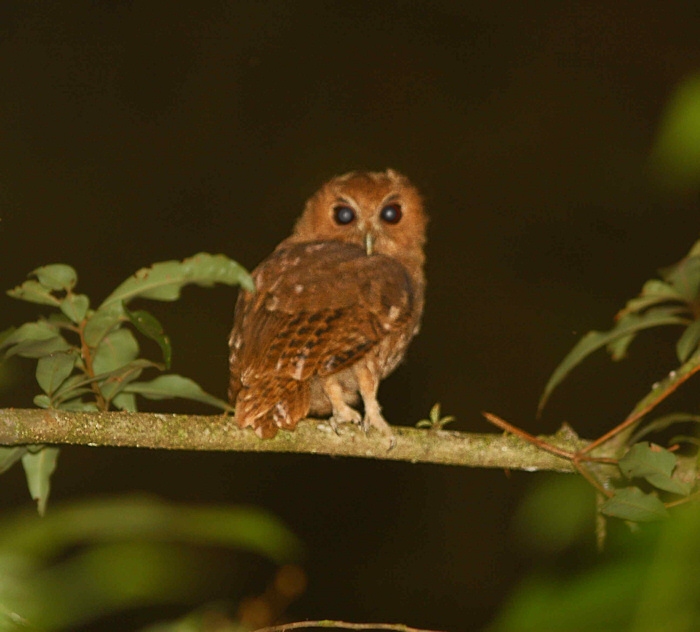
[{"x": 270, "y": 403}]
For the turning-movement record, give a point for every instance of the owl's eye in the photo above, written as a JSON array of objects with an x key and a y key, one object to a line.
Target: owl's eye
[
  {"x": 391, "y": 213},
  {"x": 343, "y": 215}
]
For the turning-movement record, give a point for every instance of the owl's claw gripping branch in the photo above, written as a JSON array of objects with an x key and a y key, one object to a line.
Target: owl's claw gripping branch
[{"x": 336, "y": 306}]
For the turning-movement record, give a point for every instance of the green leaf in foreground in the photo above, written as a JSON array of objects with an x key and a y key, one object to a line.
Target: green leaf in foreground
[
  {"x": 164, "y": 281},
  {"x": 688, "y": 342},
  {"x": 39, "y": 466},
  {"x": 149, "y": 326},
  {"x": 33, "y": 340},
  {"x": 75, "y": 306},
  {"x": 101, "y": 322},
  {"x": 34, "y": 292},
  {"x": 595, "y": 340},
  {"x": 9, "y": 456},
  {"x": 654, "y": 464},
  {"x": 56, "y": 276},
  {"x": 631, "y": 503},
  {"x": 52, "y": 370},
  {"x": 167, "y": 386},
  {"x": 117, "y": 349}
]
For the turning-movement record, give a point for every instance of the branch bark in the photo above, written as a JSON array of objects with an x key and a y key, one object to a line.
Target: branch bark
[{"x": 219, "y": 433}]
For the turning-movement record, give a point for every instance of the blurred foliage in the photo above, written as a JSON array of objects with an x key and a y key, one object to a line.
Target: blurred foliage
[
  {"x": 88, "y": 359},
  {"x": 644, "y": 581},
  {"x": 676, "y": 155},
  {"x": 90, "y": 559}
]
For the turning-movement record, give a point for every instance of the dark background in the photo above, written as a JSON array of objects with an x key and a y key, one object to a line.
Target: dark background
[{"x": 134, "y": 132}]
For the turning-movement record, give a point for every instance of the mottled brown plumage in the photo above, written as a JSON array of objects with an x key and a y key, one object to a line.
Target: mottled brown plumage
[{"x": 336, "y": 306}]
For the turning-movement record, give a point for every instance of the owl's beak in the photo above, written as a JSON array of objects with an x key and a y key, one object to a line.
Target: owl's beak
[{"x": 369, "y": 242}]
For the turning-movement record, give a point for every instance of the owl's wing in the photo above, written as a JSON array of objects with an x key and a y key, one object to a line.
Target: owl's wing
[{"x": 318, "y": 308}]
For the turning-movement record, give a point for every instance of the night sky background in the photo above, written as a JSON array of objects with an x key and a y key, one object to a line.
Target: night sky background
[{"x": 136, "y": 132}]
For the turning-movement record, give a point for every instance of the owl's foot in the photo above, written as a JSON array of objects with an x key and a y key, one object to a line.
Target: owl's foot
[
  {"x": 344, "y": 414},
  {"x": 373, "y": 419}
]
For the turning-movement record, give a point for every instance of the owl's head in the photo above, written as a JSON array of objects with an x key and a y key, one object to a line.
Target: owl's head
[{"x": 379, "y": 211}]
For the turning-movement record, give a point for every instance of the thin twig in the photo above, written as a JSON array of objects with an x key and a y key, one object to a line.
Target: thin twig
[
  {"x": 341, "y": 625},
  {"x": 636, "y": 415},
  {"x": 86, "y": 354},
  {"x": 543, "y": 445},
  {"x": 590, "y": 478}
]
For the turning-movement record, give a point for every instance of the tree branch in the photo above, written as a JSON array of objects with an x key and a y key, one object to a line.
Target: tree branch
[{"x": 218, "y": 432}]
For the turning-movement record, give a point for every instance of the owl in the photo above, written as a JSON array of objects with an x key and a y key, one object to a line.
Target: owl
[{"x": 335, "y": 307}]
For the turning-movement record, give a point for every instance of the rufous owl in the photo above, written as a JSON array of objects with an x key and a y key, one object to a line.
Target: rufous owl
[{"x": 335, "y": 307}]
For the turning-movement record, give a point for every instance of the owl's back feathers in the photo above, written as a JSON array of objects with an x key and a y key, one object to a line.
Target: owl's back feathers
[{"x": 319, "y": 307}]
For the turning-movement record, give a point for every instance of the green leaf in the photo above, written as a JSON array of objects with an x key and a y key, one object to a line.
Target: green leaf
[
  {"x": 75, "y": 306},
  {"x": 33, "y": 340},
  {"x": 595, "y": 340},
  {"x": 53, "y": 370},
  {"x": 688, "y": 342},
  {"x": 685, "y": 277},
  {"x": 29, "y": 332},
  {"x": 664, "y": 422},
  {"x": 654, "y": 464},
  {"x": 684, "y": 439},
  {"x": 34, "y": 292},
  {"x": 42, "y": 401},
  {"x": 653, "y": 292},
  {"x": 38, "y": 467},
  {"x": 149, "y": 326},
  {"x": 74, "y": 386},
  {"x": 168, "y": 386},
  {"x": 60, "y": 320},
  {"x": 79, "y": 405},
  {"x": 631, "y": 503},
  {"x": 116, "y": 380},
  {"x": 9, "y": 456},
  {"x": 118, "y": 348},
  {"x": 39, "y": 348},
  {"x": 56, "y": 276},
  {"x": 125, "y": 401},
  {"x": 5, "y": 334},
  {"x": 435, "y": 420},
  {"x": 101, "y": 322},
  {"x": 163, "y": 281}
]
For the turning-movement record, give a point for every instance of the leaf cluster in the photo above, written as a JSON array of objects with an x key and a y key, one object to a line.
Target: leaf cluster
[
  {"x": 672, "y": 300},
  {"x": 89, "y": 359}
]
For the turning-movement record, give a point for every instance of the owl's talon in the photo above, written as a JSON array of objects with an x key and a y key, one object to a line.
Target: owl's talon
[
  {"x": 377, "y": 421},
  {"x": 334, "y": 425}
]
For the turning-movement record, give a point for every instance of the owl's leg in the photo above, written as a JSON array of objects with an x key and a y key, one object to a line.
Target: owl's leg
[
  {"x": 342, "y": 413},
  {"x": 368, "y": 384}
]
